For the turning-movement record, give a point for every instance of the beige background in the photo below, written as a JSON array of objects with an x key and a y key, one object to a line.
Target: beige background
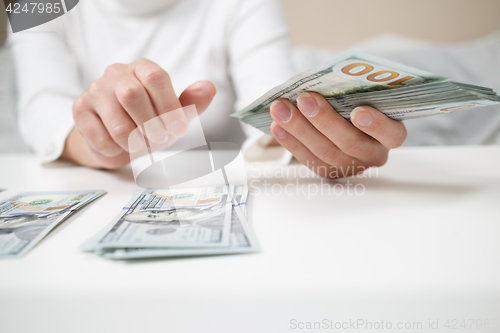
[{"x": 340, "y": 23}]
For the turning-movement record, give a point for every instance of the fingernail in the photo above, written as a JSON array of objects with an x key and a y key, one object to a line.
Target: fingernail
[
  {"x": 136, "y": 143},
  {"x": 197, "y": 88},
  {"x": 161, "y": 139},
  {"x": 279, "y": 130},
  {"x": 215, "y": 87},
  {"x": 308, "y": 104},
  {"x": 109, "y": 149},
  {"x": 361, "y": 116},
  {"x": 200, "y": 87},
  {"x": 178, "y": 128},
  {"x": 281, "y": 111}
]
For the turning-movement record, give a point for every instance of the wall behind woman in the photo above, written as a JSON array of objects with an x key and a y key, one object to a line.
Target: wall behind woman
[
  {"x": 338, "y": 24},
  {"x": 341, "y": 23}
]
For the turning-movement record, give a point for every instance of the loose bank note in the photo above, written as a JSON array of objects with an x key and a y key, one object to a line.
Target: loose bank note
[
  {"x": 241, "y": 237},
  {"x": 242, "y": 240},
  {"x": 193, "y": 217},
  {"x": 240, "y": 195},
  {"x": 356, "y": 79},
  {"x": 27, "y": 218}
]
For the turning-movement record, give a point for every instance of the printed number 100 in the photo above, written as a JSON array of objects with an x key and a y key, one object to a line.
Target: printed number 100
[{"x": 381, "y": 76}]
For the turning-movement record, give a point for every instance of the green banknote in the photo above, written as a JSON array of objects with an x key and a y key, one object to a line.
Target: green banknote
[
  {"x": 185, "y": 224},
  {"x": 27, "y": 218},
  {"x": 355, "y": 79}
]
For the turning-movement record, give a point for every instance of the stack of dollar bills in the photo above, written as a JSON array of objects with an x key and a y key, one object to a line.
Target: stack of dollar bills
[
  {"x": 356, "y": 79},
  {"x": 27, "y": 218},
  {"x": 178, "y": 222}
]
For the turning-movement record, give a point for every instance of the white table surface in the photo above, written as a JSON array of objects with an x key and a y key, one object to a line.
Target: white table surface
[{"x": 422, "y": 243}]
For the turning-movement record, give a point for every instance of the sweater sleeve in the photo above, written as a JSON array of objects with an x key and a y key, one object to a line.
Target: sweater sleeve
[
  {"x": 48, "y": 82},
  {"x": 260, "y": 59}
]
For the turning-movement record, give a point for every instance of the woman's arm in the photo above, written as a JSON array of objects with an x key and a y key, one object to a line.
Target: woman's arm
[
  {"x": 48, "y": 82},
  {"x": 313, "y": 132}
]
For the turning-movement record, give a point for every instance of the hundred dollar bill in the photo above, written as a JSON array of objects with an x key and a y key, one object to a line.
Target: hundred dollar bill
[
  {"x": 355, "y": 79},
  {"x": 240, "y": 196},
  {"x": 27, "y": 218},
  {"x": 242, "y": 240},
  {"x": 174, "y": 218}
]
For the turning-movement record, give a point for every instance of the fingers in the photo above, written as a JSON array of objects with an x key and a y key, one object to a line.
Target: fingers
[
  {"x": 200, "y": 94},
  {"x": 390, "y": 133},
  {"x": 92, "y": 129},
  {"x": 350, "y": 140},
  {"x": 116, "y": 120},
  {"x": 314, "y": 131},
  {"x": 157, "y": 85},
  {"x": 286, "y": 115},
  {"x": 131, "y": 96},
  {"x": 302, "y": 153},
  {"x": 135, "y": 100},
  {"x": 78, "y": 149}
]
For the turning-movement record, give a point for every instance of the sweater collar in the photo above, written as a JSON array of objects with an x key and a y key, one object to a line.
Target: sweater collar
[{"x": 142, "y": 7}]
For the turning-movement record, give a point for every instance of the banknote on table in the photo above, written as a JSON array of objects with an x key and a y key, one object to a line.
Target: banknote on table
[
  {"x": 356, "y": 79},
  {"x": 242, "y": 238},
  {"x": 27, "y": 218},
  {"x": 240, "y": 196},
  {"x": 173, "y": 218}
]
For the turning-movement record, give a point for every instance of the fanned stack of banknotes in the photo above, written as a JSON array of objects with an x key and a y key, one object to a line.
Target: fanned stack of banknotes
[
  {"x": 27, "y": 218},
  {"x": 357, "y": 79},
  {"x": 178, "y": 222},
  {"x": 155, "y": 223}
]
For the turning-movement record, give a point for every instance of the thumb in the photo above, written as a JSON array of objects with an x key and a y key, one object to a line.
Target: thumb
[
  {"x": 390, "y": 133},
  {"x": 200, "y": 93}
]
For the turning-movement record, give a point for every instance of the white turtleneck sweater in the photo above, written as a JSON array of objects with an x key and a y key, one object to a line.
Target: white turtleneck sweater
[{"x": 240, "y": 45}]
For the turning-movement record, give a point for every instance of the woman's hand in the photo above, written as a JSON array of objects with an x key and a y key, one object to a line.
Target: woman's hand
[
  {"x": 124, "y": 98},
  {"x": 327, "y": 143}
]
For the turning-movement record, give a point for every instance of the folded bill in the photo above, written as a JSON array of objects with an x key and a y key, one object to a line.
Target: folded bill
[
  {"x": 356, "y": 79},
  {"x": 241, "y": 238},
  {"x": 240, "y": 196},
  {"x": 27, "y": 218}
]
